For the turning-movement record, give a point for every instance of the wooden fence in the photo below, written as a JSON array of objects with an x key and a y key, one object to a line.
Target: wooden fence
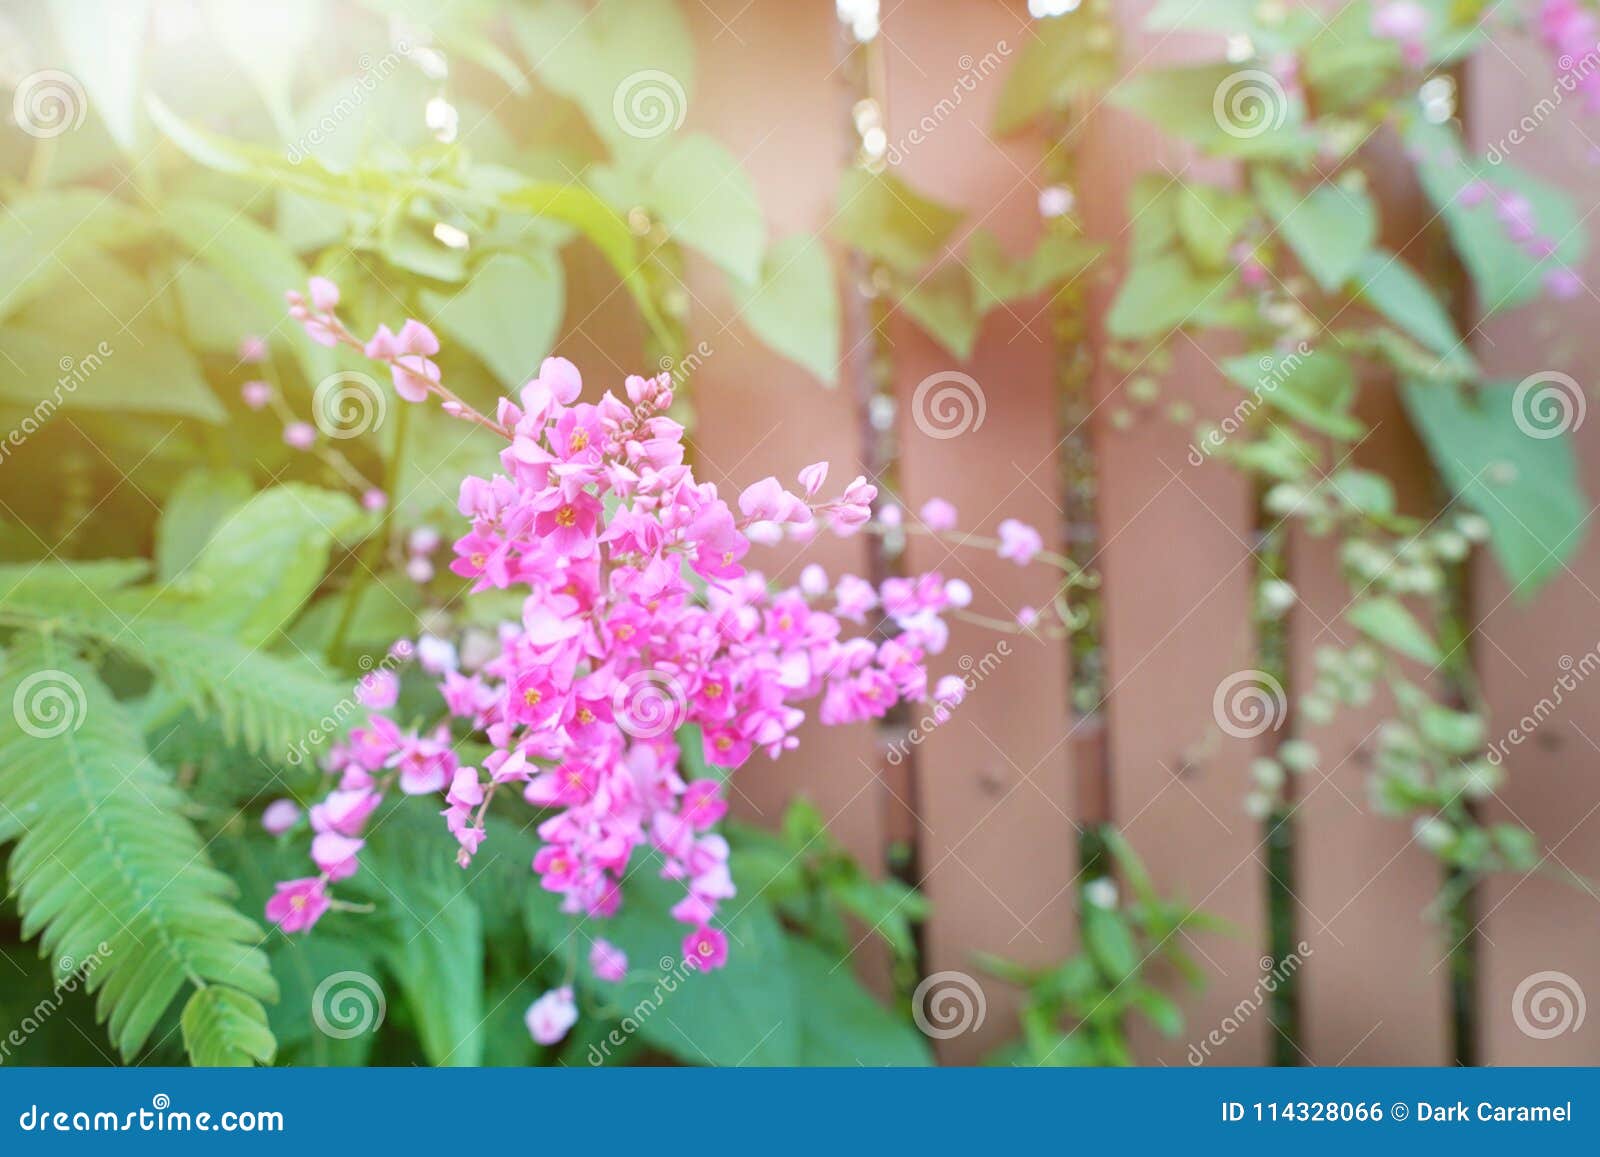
[{"x": 997, "y": 798}]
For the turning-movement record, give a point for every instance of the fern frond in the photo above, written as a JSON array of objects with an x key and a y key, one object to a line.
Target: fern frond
[
  {"x": 269, "y": 702},
  {"x": 107, "y": 871}
]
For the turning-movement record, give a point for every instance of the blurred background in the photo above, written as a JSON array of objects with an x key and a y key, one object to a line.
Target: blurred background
[{"x": 1272, "y": 317}]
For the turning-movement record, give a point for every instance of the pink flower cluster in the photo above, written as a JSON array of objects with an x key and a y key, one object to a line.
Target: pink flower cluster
[
  {"x": 639, "y": 618},
  {"x": 1571, "y": 31},
  {"x": 1406, "y": 23},
  {"x": 1517, "y": 217}
]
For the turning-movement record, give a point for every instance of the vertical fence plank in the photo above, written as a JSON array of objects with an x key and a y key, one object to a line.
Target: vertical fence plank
[
  {"x": 1372, "y": 989},
  {"x": 1178, "y": 572},
  {"x": 767, "y": 89},
  {"x": 997, "y": 838},
  {"x": 1364, "y": 887},
  {"x": 1542, "y": 922}
]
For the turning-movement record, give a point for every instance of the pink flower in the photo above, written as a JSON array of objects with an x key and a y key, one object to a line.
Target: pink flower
[
  {"x": 768, "y": 501},
  {"x": 705, "y": 948},
  {"x": 551, "y": 1016},
  {"x": 938, "y": 515},
  {"x": 374, "y": 499},
  {"x": 378, "y": 690},
  {"x": 336, "y": 854},
  {"x": 703, "y": 804},
  {"x": 1562, "y": 283},
  {"x": 252, "y": 349},
  {"x": 608, "y": 962},
  {"x": 280, "y": 815},
  {"x": 324, "y": 294},
  {"x": 587, "y": 525},
  {"x": 812, "y": 477},
  {"x": 300, "y": 435},
  {"x": 1019, "y": 542},
  {"x": 854, "y": 508},
  {"x": 255, "y": 394},
  {"x": 298, "y": 904},
  {"x": 1405, "y": 22}
]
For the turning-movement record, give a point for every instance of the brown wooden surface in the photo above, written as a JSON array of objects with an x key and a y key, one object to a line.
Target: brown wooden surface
[
  {"x": 1542, "y": 922},
  {"x": 1178, "y": 577},
  {"x": 996, "y": 810},
  {"x": 994, "y": 780}
]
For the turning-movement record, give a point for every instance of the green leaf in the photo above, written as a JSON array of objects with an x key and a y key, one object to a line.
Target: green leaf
[
  {"x": 264, "y": 561},
  {"x": 1110, "y": 943},
  {"x": 1331, "y": 229},
  {"x": 1064, "y": 61},
  {"x": 107, "y": 868},
  {"x": 1503, "y": 272},
  {"x": 63, "y": 240},
  {"x": 843, "y": 1025},
  {"x": 1345, "y": 65},
  {"x": 1208, "y": 220},
  {"x": 1161, "y": 294},
  {"x": 104, "y": 41},
  {"x": 709, "y": 203},
  {"x": 429, "y": 928},
  {"x": 999, "y": 278},
  {"x": 1228, "y": 110},
  {"x": 437, "y": 956},
  {"x": 270, "y": 703},
  {"x": 1507, "y": 455},
  {"x": 508, "y": 314},
  {"x": 1271, "y": 28},
  {"x": 745, "y": 1013},
  {"x": 1161, "y": 1010},
  {"x": 253, "y": 259},
  {"x": 193, "y": 511},
  {"x": 267, "y": 44},
  {"x": 71, "y": 363},
  {"x": 941, "y": 303},
  {"x": 881, "y": 216},
  {"x": 1387, "y": 621},
  {"x": 1315, "y": 387},
  {"x": 302, "y": 965},
  {"x": 794, "y": 308},
  {"x": 629, "y": 64},
  {"x": 222, "y": 1027},
  {"x": 1388, "y": 285},
  {"x": 1453, "y": 732}
]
